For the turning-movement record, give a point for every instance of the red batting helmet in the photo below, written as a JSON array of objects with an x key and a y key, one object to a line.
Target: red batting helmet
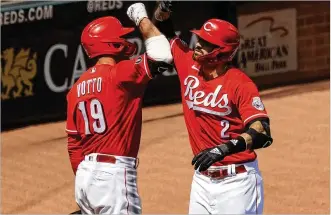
[
  {"x": 103, "y": 36},
  {"x": 222, "y": 34}
]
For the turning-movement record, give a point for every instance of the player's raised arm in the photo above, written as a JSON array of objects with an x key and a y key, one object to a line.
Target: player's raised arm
[
  {"x": 163, "y": 21},
  {"x": 157, "y": 45}
]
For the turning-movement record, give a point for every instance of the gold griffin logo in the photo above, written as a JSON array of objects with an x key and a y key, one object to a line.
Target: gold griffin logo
[{"x": 17, "y": 73}]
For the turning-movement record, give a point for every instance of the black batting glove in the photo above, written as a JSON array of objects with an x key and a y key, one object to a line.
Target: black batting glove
[{"x": 207, "y": 157}]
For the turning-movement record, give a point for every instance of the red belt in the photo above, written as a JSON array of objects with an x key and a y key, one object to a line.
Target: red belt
[
  {"x": 104, "y": 158},
  {"x": 222, "y": 173}
]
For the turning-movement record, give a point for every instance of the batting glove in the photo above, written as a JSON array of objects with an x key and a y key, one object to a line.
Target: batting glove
[
  {"x": 136, "y": 12},
  {"x": 207, "y": 157}
]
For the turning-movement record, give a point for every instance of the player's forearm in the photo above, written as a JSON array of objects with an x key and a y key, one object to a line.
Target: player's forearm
[
  {"x": 157, "y": 45},
  {"x": 138, "y": 14},
  {"x": 255, "y": 137},
  {"x": 148, "y": 29}
]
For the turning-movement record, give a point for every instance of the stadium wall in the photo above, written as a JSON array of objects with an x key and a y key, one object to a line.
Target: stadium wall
[{"x": 312, "y": 36}]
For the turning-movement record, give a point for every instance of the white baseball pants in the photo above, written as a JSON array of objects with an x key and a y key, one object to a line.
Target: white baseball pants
[
  {"x": 106, "y": 188},
  {"x": 240, "y": 193}
]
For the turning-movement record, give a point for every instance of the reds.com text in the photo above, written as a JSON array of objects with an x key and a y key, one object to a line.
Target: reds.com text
[{"x": 29, "y": 15}]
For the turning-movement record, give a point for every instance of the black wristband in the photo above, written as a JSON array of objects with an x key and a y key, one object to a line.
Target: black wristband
[
  {"x": 252, "y": 132},
  {"x": 259, "y": 140},
  {"x": 236, "y": 145}
]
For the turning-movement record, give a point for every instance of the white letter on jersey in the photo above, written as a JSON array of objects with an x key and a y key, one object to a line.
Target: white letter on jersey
[
  {"x": 94, "y": 80},
  {"x": 88, "y": 85},
  {"x": 78, "y": 90},
  {"x": 191, "y": 84},
  {"x": 83, "y": 87},
  {"x": 99, "y": 84}
]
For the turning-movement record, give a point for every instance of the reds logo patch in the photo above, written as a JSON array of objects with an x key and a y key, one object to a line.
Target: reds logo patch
[{"x": 257, "y": 103}]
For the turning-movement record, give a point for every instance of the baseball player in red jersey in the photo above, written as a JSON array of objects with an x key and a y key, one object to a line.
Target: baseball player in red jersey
[
  {"x": 225, "y": 118},
  {"x": 104, "y": 114}
]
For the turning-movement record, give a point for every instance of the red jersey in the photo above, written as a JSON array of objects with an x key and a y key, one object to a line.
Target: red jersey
[
  {"x": 217, "y": 110},
  {"x": 105, "y": 108}
]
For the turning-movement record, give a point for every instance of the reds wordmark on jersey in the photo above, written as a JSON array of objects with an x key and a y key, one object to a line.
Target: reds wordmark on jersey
[
  {"x": 104, "y": 108},
  {"x": 218, "y": 110}
]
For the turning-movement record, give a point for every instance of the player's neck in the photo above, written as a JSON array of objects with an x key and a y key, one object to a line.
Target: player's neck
[
  {"x": 213, "y": 71},
  {"x": 106, "y": 60}
]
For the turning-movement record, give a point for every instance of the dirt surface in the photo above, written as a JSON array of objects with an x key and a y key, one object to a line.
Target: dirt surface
[{"x": 37, "y": 178}]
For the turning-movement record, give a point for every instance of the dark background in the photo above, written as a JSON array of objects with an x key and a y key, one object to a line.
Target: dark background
[{"x": 65, "y": 27}]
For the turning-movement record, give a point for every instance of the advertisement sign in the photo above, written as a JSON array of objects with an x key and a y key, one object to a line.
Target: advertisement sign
[{"x": 268, "y": 42}]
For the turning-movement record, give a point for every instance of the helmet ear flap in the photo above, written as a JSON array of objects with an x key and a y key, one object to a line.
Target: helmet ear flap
[
  {"x": 227, "y": 56},
  {"x": 233, "y": 53},
  {"x": 131, "y": 49},
  {"x": 124, "y": 47},
  {"x": 218, "y": 55},
  {"x": 117, "y": 47}
]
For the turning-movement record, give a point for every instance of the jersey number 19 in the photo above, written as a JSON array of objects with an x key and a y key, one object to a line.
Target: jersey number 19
[{"x": 96, "y": 113}]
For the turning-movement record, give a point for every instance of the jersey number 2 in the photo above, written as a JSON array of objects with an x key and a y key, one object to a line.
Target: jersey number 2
[
  {"x": 225, "y": 126},
  {"x": 96, "y": 112}
]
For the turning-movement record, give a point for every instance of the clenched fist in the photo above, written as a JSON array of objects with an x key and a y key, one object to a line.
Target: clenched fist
[
  {"x": 166, "y": 6},
  {"x": 207, "y": 157},
  {"x": 136, "y": 12}
]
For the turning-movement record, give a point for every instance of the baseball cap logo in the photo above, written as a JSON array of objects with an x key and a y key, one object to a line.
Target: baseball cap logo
[{"x": 208, "y": 26}]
